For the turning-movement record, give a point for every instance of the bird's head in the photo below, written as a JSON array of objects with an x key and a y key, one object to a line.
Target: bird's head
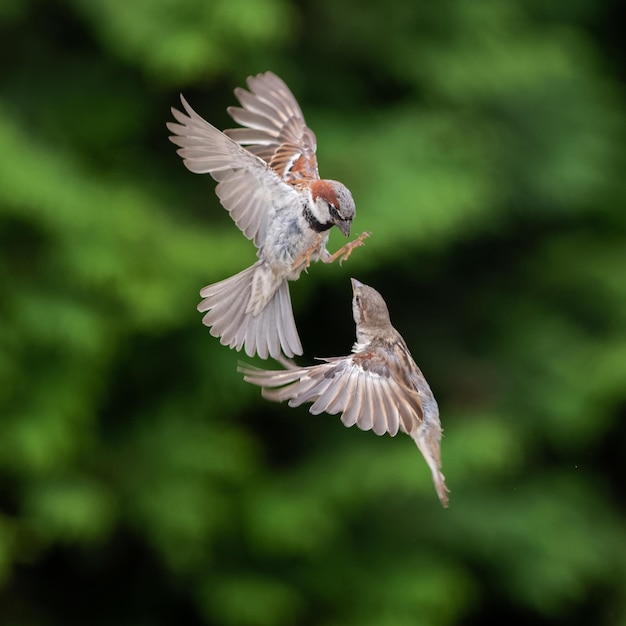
[
  {"x": 333, "y": 204},
  {"x": 370, "y": 311}
]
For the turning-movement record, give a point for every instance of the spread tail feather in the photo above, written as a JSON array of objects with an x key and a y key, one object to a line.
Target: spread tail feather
[{"x": 229, "y": 316}]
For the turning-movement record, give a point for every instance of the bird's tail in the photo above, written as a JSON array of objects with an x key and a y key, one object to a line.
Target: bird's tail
[
  {"x": 271, "y": 331},
  {"x": 428, "y": 444}
]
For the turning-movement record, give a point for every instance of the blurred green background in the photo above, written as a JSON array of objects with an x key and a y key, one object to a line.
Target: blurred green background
[{"x": 143, "y": 483}]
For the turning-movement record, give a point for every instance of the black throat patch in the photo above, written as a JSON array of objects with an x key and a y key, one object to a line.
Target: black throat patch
[{"x": 314, "y": 223}]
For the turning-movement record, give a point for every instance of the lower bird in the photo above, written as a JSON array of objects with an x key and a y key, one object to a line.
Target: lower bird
[
  {"x": 268, "y": 181},
  {"x": 378, "y": 386}
]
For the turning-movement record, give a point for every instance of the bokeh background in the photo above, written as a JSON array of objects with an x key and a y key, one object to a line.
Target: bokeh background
[{"x": 142, "y": 482}]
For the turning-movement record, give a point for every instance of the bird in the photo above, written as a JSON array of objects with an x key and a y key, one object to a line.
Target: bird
[
  {"x": 268, "y": 181},
  {"x": 378, "y": 386}
]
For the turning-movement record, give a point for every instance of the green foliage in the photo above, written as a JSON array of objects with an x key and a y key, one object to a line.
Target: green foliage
[{"x": 141, "y": 481}]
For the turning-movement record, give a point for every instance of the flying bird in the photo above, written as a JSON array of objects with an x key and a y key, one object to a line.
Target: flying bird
[
  {"x": 378, "y": 386},
  {"x": 268, "y": 181}
]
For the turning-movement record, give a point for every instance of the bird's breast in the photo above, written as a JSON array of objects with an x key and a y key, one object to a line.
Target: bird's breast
[{"x": 288, "y": 240}]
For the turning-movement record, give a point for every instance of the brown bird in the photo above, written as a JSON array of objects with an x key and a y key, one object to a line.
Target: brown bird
[
  {"x": 378, "y": 386},
  {"x": 273, "y": 191}
]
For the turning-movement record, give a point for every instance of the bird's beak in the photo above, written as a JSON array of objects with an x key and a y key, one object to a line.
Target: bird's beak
[
  {"x": 344, "y": 227},
  {"x": 356, "y": 285}
]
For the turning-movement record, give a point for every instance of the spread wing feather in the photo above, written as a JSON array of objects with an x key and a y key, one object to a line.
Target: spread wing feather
[
  {"x": 275, "y": 129},
  {"x": 247, "y": 187},
  {"x": 366, "y": 396}
]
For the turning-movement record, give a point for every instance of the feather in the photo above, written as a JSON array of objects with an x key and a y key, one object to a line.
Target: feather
[{"x": 353, "y": 408}]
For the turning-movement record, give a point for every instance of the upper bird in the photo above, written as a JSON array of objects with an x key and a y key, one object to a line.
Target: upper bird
[
  {"x": 273, "y": 191},
  {"x": 378, "y": 386}
]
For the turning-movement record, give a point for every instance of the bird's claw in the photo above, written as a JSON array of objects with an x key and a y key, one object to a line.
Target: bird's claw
[
  {"x": 345, "y": 251},
  {"x": 304, "y": 258}
]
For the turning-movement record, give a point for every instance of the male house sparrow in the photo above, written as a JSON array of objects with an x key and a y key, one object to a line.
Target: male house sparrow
[
  {"x": 378, "y": 387},
  {"x": 274, "y": 193}
]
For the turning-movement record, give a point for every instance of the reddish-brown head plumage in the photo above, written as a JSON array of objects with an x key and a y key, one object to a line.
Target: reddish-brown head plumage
[{"x": 325, "y": 190}]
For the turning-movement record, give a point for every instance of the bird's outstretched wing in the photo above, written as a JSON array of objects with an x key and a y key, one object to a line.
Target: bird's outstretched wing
[
  {"x": 275, "y": 129},
  {"x": 248, "y": 188},
  {"x": 359, "y": 386}
]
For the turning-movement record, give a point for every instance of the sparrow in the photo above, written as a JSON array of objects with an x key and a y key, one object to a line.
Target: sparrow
[
  {"x": 268, "y": 181},
  {"x": 378, "y": 386}
]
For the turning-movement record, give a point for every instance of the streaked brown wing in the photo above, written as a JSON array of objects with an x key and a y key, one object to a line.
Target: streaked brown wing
[
  {"x": 368, "y": 397},
  {"x": 275, "y": 129},
  {"x": 248, "y": 189}
]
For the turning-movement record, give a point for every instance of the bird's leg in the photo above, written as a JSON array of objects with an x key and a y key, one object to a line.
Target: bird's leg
[
  {"x": 305, "y": 257},
  {"x": 345, "y": 251}
]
